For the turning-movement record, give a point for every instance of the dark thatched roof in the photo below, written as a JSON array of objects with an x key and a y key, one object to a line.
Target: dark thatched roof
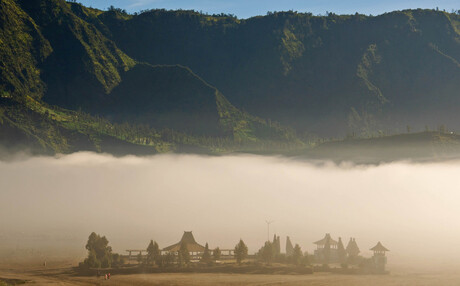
[{"x": 189, "y": 240}]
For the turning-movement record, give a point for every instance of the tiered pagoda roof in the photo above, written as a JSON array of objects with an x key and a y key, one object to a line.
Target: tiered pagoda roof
[
  {"x": 379, "y": 247},
  {"x": 327, "y": 238}
]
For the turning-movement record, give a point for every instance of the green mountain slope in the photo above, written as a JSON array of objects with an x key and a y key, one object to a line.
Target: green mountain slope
[
  {"x": 83, "y": 66},
  {"x": 22, "y": 49},
  {"x": 56, "y": 56},
  {"x": 330, "y": 75},
  {"x": 76, "y": 78},
  {"x": 42, "y": 129}
]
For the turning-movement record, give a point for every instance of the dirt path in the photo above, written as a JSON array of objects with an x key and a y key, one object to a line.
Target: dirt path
[{"x": 63, "y": 275}]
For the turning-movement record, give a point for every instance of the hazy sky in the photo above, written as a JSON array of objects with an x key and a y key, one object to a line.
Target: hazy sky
[
  {"x": 245, "y": 8},
  {"x": 55, "y": 203}
]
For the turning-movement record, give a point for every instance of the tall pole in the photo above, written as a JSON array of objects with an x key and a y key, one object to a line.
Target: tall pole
[{"x": 269, "y": 222}]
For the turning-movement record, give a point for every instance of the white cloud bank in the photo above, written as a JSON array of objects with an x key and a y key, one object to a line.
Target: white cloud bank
[{"x": 413, "y": 209}]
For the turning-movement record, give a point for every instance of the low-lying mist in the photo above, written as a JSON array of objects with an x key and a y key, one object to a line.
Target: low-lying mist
[{"x": 49, "y": 205}]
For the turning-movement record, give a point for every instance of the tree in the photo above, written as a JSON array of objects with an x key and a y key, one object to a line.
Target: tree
[
  {"x": 267, "y": 252},
  {"x": 153, "y": 253},
  {"x": 206, "y": 258},
  {"x": 184, "y": 255},
  {"x": 139, "y": 258},
  {"x": 156, "y": 252},
  {"x": 92, "y": 261},
  {"x": 341, "y": 251},
  {"x": 297, "y": 255},
  {"x": 180, "y": 259},
  {"x": 276, "y": 245},
  {"x": 117, "y": 260},
  {"x": 241, "y": 251},
  {"x": 289, "y": 247},
  {"x": 166, "y": 259},
  {"x": 99, "y": 251},
  {"x": 150, "y": 253},
  {"x": 216, "y": 253},
  {"x": 306, "y": 259}
]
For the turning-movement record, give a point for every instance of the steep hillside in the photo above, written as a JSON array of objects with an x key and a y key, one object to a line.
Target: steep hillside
[
  {"x": 181, "y": 80},
  {"x": 331, "y": 75},
  {"x": 57, "y": 54},
  {"x": 84, "y": 66},
  {"x": 22, "y": 49},
  {"x": 41, "y": 129}
]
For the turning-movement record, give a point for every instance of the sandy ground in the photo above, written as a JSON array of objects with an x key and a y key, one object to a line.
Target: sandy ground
[{"x": 61, "y": 274}]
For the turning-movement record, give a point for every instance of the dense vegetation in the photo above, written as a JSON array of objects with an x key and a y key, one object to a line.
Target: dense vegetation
[
  {"x": 100, "y": 253},
  {"x": 76, "y": 78},
  {"x": 65, "y": 87},
  {"x": 329, "y": 74}
]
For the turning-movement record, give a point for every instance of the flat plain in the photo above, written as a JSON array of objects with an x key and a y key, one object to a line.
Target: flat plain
[{"x": 61, "y": 273}]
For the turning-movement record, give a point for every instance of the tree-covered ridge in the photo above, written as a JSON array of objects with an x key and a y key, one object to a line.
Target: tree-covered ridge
[
  {"x": 312, "y": 72},
  {"x": 66, "y": 86},
  {"x": 100, "y": 56},
  {"x": 182, "y": 80},
  {"x": 22, "y": 48},
  {"x": 42, "y": 129}
]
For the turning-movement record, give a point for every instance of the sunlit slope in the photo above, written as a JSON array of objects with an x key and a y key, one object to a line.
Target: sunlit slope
[
  {"x": 22, "y": 49},
  {"x": 83, "y": 65},
  {"x": 327, "y": 74},
  {"x": 57, "y": 55},
  {"x": 42, "y": 129}
]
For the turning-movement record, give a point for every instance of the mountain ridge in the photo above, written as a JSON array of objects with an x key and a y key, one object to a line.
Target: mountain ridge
[
  {"x": 311, "y": 71},
  {"x": 182, "y": 80},
  {"x": 76, "y": 68}
]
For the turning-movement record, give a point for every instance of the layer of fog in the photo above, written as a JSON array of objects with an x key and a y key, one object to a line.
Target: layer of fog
[{"x": 50, "y": 205}]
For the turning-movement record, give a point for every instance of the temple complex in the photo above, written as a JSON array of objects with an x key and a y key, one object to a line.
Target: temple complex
[{"x": 329, "y": 250}]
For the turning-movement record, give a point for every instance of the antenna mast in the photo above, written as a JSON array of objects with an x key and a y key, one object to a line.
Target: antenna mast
[{"x": 269, "y": 222}]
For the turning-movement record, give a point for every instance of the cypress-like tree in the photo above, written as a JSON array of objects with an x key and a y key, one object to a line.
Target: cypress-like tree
[
  {"x": 341, "y": 252},
  {"x": 276, "y": 245},
  {"x": 150, "y": 259},
  {"x": 156, "y": 253},
  {"x": 267, "y": 252},
  {"x": 297, "y": 255},
  {"x": 241, "y": 251},
  {"x": 289, "y": 247},
  {"x": 206, "y": 258},
  {"x": 184, "y": 254},
  {"x": 153, "y": 253},
  {"x": 139, "y": 258}
]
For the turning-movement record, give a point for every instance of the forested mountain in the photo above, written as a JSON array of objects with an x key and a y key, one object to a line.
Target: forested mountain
[
  {"x": 54, "y": 61},
  {"x": 76, "y": 78},
  {"x": 330, "y": 75}
]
